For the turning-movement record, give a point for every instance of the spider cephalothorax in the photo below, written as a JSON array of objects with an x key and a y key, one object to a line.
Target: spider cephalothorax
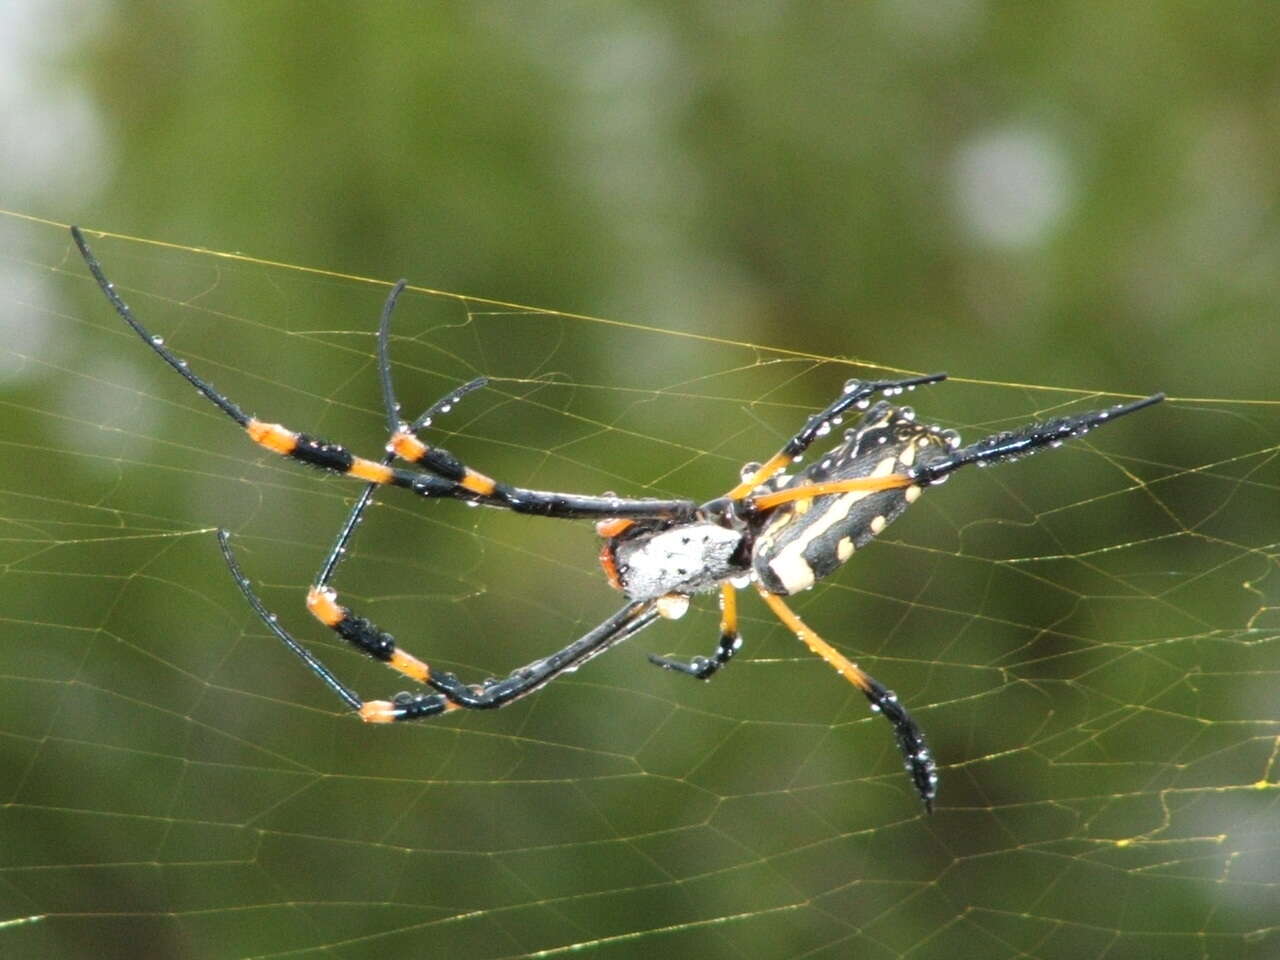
[
  {"x": 646, "y": 562},
  {"x": 780, "y": 532}
]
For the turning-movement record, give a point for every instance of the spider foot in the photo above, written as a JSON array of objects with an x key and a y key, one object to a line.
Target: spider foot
[
  {"x": 700, "y": 667},
  {"x": 916, "y": 758}
]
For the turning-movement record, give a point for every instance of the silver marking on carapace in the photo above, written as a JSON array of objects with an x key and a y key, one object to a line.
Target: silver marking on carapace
[{"x": 692, "y": 558}]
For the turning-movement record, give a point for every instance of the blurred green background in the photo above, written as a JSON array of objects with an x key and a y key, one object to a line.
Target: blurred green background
[{"x": 1055, "y": 203}]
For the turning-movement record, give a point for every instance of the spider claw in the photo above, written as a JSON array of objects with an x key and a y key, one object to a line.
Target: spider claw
[
  {"x": 666, "y": 663},
  {"x": 699, "y": 667}
]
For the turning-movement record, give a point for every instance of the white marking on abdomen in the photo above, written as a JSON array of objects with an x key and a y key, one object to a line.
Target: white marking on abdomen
[{"x": 790, "y": 566}]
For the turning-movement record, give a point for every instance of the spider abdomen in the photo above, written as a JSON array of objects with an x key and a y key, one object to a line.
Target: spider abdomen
[{"x": 805, "y": 540}]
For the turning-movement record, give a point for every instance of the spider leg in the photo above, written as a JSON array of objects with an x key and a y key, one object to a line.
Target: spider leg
[
  {"x": 730, "y": 643},
  {"x": 768, "y": 501},
  {"x": 855, "y": 393},
  {"x": 322, "y": 601},
  {"x": 392, "y": 408},
  {"x": 364, "y": 634},
  {"x": 627, "y": 622},
  {"x": 998, "y": 448},
  {"x": 425, "y": 706},
  {"x": 915, "y": 754},
  {"x": 704, "y": 668},
  {"x": 454, "y": 480},
  {"x": 1024, "y": 441},
  {"x": 452, "y": 693}
]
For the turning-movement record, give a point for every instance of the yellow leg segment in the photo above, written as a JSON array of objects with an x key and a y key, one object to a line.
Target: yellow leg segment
[
  {"x": 808, "y": 491},
  {"x": 844, "y": 666}
]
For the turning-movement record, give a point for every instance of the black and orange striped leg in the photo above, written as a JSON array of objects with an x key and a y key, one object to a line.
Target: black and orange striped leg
[
  {"x": 704, "y": 668},
  {"x": 855, "y": 395},
  {"x": 476, "y": 487},
  {"x": 363, "y": 634},
  {"x": 322, "y": 601},
  {"x": 466, "y": 485},
  {"x": 910, "y": 738},
  {"x": 373, "y": 711},
  {"x": 392, "y": 408},
  {"x": 451, "y": 693},
  {"x": 473, "y": 487}
]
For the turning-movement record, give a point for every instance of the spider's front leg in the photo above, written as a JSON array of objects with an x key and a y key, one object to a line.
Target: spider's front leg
[{"x": 451, "y": 693}]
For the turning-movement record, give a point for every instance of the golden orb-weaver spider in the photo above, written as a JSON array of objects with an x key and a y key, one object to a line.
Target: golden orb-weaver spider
[{"x": 780, "y": 532}]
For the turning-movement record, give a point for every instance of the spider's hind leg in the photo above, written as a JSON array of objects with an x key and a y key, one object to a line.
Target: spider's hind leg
[
  {"x": 376, "y": 711},
  {"x": 322, "y": 600}
]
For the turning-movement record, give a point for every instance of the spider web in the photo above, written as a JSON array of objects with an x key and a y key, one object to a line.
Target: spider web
[{"x": 1088, "y": 638}]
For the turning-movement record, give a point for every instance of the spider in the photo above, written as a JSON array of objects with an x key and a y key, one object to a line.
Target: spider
[{"x": 778, "y": 532}]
